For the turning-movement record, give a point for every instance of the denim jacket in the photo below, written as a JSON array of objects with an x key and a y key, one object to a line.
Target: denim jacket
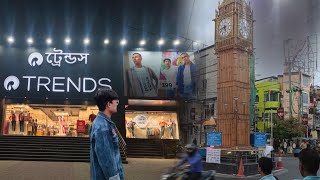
[
  {"x": 105, "y": 159},
  {"x": 180, "y": 80}
]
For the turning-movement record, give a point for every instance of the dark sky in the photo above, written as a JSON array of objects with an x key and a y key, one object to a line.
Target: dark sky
[{"x": 191, "y": 20}]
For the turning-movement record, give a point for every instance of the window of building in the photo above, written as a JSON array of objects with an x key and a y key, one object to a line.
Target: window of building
[
  {"x": 306, "y": 80},
  {"x": 273, "y": 96},
  {"x": 305, "y": 98},
  {"x": 204, "y": 83}
]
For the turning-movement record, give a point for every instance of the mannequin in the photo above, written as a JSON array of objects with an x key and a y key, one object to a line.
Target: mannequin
[
  {"x": 92, "y": 116},
  {"x": 130, "y": 126},
  {"x": 162, "y": 127},
  {"x": 13, "y": 121},
  {"x": 21, "y": 121}
]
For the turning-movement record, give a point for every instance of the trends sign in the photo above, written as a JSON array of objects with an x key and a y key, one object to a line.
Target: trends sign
[{"x": 55, "y": 74}]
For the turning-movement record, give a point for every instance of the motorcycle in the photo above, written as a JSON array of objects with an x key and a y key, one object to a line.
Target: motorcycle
[{"x": 177, "y": 174}]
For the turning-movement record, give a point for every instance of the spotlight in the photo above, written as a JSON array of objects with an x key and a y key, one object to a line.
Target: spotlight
[
  {"x": 30, "y": 41},
  {"x": 142, "y": 42},
  {"x": 86, "y": 41},
  {"x": 123, "y": 42},
  {"x": 49, "y": 41},
  {"x": 196, "y": 43},
  {"x": 176, "y": 42},
  {"x": 67, "y": 40},
  {"x": 10, "y": 40},
  {"x": 106, "y": 41},
  {"x": 160, "y": 42}
]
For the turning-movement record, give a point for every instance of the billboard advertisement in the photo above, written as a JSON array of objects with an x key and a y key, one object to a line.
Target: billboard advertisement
[{"x": 159, "y": 74}]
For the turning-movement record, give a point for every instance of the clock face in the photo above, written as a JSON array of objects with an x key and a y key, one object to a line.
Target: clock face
[
  {"x": 244, "y": 28},
  {"x": 225, "y": 27}
]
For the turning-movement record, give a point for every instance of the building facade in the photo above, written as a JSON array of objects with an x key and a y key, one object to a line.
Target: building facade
[
  {"x": 204, "y": 106},
  {"x": 267, "y": 101}
]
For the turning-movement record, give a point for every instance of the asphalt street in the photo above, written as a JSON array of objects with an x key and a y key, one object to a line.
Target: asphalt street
[{"x": 137, "y": 169}]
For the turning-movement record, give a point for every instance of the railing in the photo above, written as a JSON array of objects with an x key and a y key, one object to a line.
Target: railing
[{"x": 122, "y": 143}]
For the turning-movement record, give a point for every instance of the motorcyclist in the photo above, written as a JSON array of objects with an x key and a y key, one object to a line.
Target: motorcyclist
[{"x": 193, "y": 158}]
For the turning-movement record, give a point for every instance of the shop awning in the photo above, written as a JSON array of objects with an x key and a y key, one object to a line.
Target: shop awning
[{"x": 210, "y": 122}]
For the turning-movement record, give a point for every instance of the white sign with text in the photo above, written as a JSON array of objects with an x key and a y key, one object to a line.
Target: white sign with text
[{"x": 213, "y": 155}]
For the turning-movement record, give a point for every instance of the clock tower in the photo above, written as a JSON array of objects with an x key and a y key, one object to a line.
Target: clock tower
[{"x": 234, "y": 47}]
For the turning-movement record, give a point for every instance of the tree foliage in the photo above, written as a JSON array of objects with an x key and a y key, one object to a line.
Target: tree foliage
[{"x": 288, "y": 128}]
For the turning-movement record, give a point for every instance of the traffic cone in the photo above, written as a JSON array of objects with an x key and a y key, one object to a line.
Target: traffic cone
[
  {"x": 280, "y": 164},
  {"x": 241, "y": 169}
]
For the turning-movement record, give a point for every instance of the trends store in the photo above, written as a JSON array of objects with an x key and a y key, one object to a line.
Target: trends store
[{"x": 49, "y": 92}]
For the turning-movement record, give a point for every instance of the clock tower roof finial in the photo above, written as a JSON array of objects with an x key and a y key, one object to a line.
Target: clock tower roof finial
[{"x": 225, "y": 2}]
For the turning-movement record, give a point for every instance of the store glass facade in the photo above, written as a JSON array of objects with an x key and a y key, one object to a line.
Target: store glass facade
[
  {"x": 152, "y": 125},
  {"x": 48, "y": 120}
]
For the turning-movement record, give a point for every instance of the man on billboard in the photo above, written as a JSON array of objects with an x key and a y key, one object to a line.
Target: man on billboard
[
  {"x": 170, "y": 73},
  {"x": 186, "y": 82},
  {"x": 142, "y": 80}
]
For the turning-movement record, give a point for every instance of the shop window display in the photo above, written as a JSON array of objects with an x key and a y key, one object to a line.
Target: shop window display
[
  {"x": 152, "y": 125},
  {"x": 48, "y": 120}
]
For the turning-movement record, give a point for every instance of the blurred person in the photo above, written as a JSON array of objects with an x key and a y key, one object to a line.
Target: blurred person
[
  {"x": 105, "y": 159},
  {"x": 265, "y": 167},
  {"x": 194, "y": 160},
  {"x": 309, "y": 164}
]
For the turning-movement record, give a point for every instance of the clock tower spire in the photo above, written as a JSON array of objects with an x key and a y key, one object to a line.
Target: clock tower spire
[{"x": 234, "y": 46}]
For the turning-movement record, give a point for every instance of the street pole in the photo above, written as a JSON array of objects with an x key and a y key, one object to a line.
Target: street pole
[{"x": 271, "y": 137}]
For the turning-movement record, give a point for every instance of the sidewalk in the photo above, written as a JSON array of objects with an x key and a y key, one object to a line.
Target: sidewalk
[{"x": 137, "y": 169}]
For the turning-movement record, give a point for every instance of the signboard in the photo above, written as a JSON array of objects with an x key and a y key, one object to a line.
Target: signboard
[
  {"x": 159, "y": 74},
  {"x": 214, "y": 138},
  {"x": 305, "y": 119},
  {"x": 280, "y": 112},
  {"x": 81, "y": 126},
  {"x": 57, "y": 72},
  {"x": 213, "y": 155},
  {"x": 141, "y": 121},
  {"x": 260, "y": 139}
]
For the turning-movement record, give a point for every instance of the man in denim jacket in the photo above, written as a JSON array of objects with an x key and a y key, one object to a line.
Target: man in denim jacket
[{"x": 105, "y": 159}]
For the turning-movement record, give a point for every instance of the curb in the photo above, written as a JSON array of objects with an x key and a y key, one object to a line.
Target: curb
[{"x": 228, "y": 176}]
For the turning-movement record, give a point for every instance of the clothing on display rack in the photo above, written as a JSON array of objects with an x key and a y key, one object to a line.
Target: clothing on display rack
[
  {"x": 162, "y": 128},
  {"x": 13, "y": 121},
  {"x": 21, "y": 121},
  {"x": 92, "y": 117},
  {"x": 130, "y": 126}
]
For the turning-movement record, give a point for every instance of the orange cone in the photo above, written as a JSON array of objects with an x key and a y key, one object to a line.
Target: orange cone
[
  {"x": 241, "y": 169},
  {"x": 280, "y": 164}
]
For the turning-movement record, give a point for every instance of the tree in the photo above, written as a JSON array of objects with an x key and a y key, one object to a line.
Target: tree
[{"x": 287, "y": 129}]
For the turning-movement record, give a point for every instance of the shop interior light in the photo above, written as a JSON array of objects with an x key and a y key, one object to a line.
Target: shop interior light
[
  {"x": 49, "y": 41},
  {"x": 30, "y": 40},
  {"x": 142, "y": 42},
  {"x": 10, "y": 40},
  {"x": 67, "y": 40},
  {"x": 123, "y": 42},
  {"x": 160, "y": 42},
  {"x": 106, "y": 41},
  {"x": 176, "y": 42},
  {"x": 86, "y": 41}
]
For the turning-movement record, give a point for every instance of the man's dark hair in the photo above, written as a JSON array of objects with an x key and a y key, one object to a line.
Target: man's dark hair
[
  {"x": 103, "y": 96},
  {"x": 137, "y": 53},
  {"x": 184, "y": 54},
  {"x": 310, "y": 160},
  {"x": 166, "y": 59},
  {"x": 265, "y": 165}
]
